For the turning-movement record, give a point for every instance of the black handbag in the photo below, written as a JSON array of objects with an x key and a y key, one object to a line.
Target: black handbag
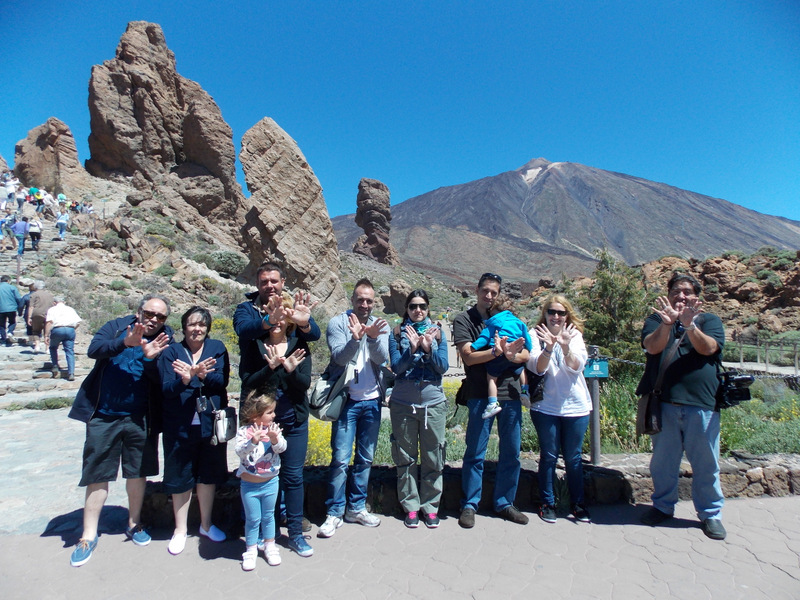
[{"x": 648, "y": 413}]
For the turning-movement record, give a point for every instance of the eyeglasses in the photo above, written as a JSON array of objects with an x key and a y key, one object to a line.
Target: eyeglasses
[
  {"x": 148, "y": 314},
  {"x": 494, "y": 276},
  {"x": 418, "y": 306},
  {"x": 553, "y": 312}
]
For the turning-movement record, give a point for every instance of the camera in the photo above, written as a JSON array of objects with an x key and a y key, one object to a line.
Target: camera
[{"x": 733, "y": 389}]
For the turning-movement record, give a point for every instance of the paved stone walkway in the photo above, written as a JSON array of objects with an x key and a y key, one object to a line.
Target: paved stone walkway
[{"x": 614, "y": 557}]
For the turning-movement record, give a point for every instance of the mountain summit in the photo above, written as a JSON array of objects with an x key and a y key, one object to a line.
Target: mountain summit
[{"x": 547, "y": 218}]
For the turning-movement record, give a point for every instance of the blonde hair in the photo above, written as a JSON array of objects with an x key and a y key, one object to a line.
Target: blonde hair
[
  {"x": 288, "y": 302},
  {"x": 572, "y": 316},
  {"x": 255, "y": 405}
]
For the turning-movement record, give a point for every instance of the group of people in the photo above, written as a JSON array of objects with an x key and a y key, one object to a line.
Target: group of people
[{"x": 145, "y": 383}]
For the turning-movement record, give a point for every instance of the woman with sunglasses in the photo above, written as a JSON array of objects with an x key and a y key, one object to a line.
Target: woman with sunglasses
[
  {"x": 418, "y": 408},
  {"x": 194, "y": 378},
  {"x": 562, "y": 416}
]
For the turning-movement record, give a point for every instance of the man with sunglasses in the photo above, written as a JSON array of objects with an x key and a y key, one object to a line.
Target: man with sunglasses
[
  {"x": 119, "y": 401},
  {"x": 690, "y": 341},
  {"x": 467, "y": 328}
]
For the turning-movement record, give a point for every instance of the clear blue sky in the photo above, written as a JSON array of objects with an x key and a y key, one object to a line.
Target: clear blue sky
[{"x": 701, "y": 95}]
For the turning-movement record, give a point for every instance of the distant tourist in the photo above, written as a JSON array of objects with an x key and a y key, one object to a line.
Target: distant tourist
[
  {"x": 687, "y": 342},
  {"x": 562, "y": 416},
  {"x": 418, "y": 408},
  {"x": 467, "y": 328},
  {"x": 194, "y": 380},
  {"x": 20, "y": 230},
  {"x": 360, "y": 418},
  {"x": 61, "y": 322},
  {"x": 35, "y": 227},
  {"x": 253, "y": 322},
  {"x": 119, "y": 401},
  {"x": 62, "y": 220},
  {"x": 41, "y": 301},
  {"x": 10, "y": 301}
]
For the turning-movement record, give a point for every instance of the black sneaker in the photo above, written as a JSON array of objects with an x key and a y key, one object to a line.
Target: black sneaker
[
  {"x": 580, "y": 513},
  {"x": 512, "y": 513},
  {"x": 654, "y": 517},
  {"x": 412, "y": 520},
  {"x": 431, "y": 520},
  {"x": 547, "y": 513},
  {"x": 714, "y": 529},
  {"x": 467, "y": 518}
]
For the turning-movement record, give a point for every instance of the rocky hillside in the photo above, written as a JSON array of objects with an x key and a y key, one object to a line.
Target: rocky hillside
[{"x": 545, "y": 219}]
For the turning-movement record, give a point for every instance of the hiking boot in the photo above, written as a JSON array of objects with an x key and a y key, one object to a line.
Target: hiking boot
[
  {"x": 580, "y": 513},
  {"x": 491, "y": 410},
  {"x": 299, "y": 544},
  {"x": 654, "y": 517},
  {"x": 467, "y": 518},
  {"x": 513, "y": 514},
  {"x": 714, "y": 529},
  {"x": 329, "y": 527},
  {"x": 83, "y": 552},
  {"x": 362, "y": 517},
  {"x": 431, "y": 520},
  {"x": 412, "y": 520},
  {"x": 547, "y": 513},
  {"x": 138, "y": 535}
]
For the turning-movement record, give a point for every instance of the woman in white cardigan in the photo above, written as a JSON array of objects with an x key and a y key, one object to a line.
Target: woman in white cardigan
[{"x": 562, "y": 416}]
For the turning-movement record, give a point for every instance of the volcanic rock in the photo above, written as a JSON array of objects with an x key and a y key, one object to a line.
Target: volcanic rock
[
  {"x": 394, "y": 302},
  {"x": 288, "y": 220},
  {"x": 373, "y": 216},
  {"x": 48, "y": 158},
  {"x": 3, "y": 164},
  {"x": 150, "y": 123}
]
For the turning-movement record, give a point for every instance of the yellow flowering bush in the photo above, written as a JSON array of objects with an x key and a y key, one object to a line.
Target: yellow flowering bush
[{"x": 319, "y": 442}]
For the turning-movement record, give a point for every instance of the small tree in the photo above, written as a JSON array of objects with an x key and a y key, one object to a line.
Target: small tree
[{"x": 614, "y": 308}]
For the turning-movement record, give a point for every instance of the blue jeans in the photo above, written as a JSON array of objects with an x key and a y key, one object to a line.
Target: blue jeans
[
  {"x": 564, "y": 434},
  {"x": 292, "y": 461},
  {"x": 258, "y": 500},
  {"x": 11, "y": 319},
  {"x": 62, "y": 228},
  {"x": 359, "y": 423},
  {"x": 66, "y": 337},
  {"x": 695, "y": 431},
  {"x": 509, "y": 424}
]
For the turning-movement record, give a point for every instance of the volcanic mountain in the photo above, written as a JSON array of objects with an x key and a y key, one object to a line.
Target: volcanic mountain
[{"x": 546, "y": 219}]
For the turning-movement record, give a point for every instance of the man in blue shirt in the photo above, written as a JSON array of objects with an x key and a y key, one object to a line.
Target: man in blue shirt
[{"x": 120, "y": 401}]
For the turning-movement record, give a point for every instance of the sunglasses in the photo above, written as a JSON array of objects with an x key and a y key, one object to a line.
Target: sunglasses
[
  {"x": 418, "y": 306},
  {"x": 148, "y": 314},
  {"x": 494, "y": 276},
  {"x": 553, "y": 312}
]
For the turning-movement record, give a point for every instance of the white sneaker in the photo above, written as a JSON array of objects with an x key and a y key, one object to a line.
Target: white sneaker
[
  {"x": 177, "y": 544},
  {"x": 273, "y": 555},
  {"x": 491, "y": 410},
  {"x": 362, "y": 517},
  {"x": 249, "y": 560},
  {"x": 329, "y": 527}
]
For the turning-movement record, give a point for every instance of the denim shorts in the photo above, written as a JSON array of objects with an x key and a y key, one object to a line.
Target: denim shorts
[{"x": 111, "y": 439}]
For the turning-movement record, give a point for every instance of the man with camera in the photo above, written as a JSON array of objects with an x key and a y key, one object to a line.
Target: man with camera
[{"x": 690, "y": 341}]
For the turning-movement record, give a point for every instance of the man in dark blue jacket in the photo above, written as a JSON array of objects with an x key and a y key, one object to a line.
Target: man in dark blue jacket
[{"x": 119, "y": 402}]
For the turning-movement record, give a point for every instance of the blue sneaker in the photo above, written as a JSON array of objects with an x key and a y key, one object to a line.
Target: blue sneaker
[
  {"x": 299, "y": 544},
  {"x": 83, "y": 552},
  {"x": 138, "y": 535}
]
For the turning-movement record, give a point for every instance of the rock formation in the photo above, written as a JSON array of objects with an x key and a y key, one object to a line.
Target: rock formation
[
  {"x": 3, "y": 164},
  {"x": 48, "y": 158},
  {"x": 395, "y": 300},
  {"x": 288, "y": 220},
  {"x": 148, "y": 121},
  {"x": 373, "y": 216}
]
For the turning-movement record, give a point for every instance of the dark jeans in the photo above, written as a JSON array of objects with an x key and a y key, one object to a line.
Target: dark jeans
[
  {"x": 11, "y": 319},
  {"x": 291, "y": 476},
  {"x": 565, "y": 434}
]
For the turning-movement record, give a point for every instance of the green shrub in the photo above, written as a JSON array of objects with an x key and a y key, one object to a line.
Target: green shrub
[
  {"x": 118, "y": 285},
  {"x": 222, "y": 261},
  {"x": 160, "y": 229},
  {"x": 783, "y": 264},
  {"x": 165, "y": 271},
  {"x": 112, "y": 241}
]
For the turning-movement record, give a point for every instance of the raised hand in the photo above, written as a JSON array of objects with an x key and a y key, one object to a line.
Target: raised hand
[
  {"x": 134, "y": 336},
  {"x": 356, "y": 327},
  {"x": 665, "y": 310},
  {"x": 204, "y": 367},
  {"x": 413, "y": 338},
  {"x": 274, "y": 308},
  {"x": 295, "y": 358},
  {"x": 301, "y": 312},
  {"x": 154, "y": 348},
  {"x": 182, "y": 370},
  {"x": 272, "y": 431},
  {"x": 378, "y": 327},
  {"x": 273, "y": 357},
  {"x": 566, "y": 334},
  {"x": 427, "y": 339},
  {"x": 544, "y": 335},
  {"x": 256, "y": 433}
]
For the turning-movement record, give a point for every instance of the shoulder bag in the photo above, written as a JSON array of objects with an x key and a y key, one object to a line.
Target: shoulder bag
[
  {"x": 327, "y": 398},
  {"x": 648, "y": 413}
]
